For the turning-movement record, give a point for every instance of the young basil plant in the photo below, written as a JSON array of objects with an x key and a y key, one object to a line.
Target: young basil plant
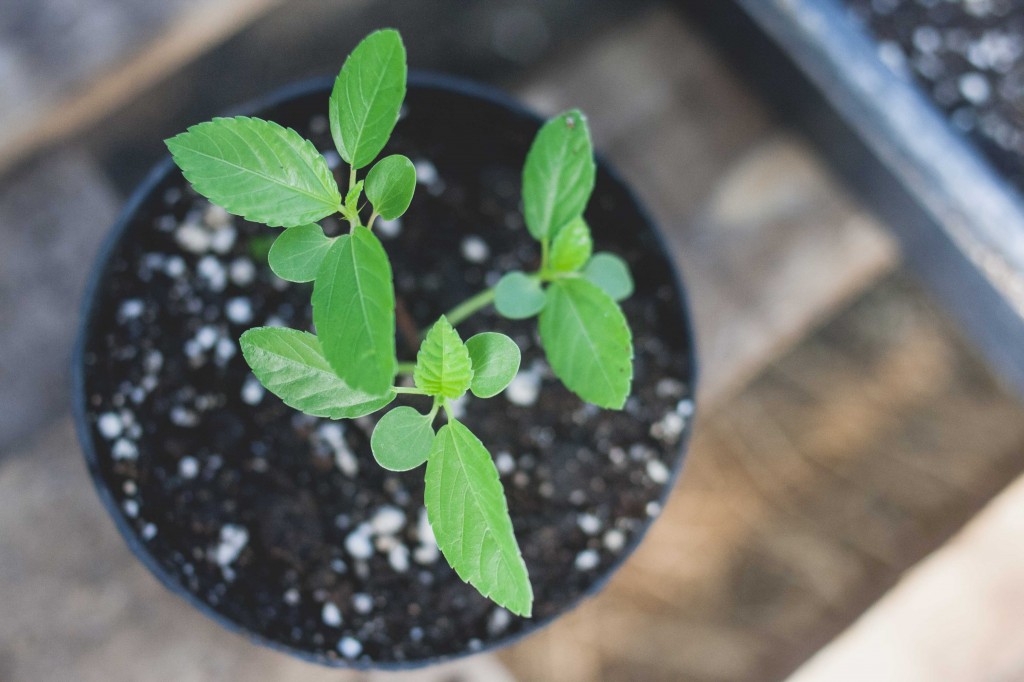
[{"x": 269, "y": 174}]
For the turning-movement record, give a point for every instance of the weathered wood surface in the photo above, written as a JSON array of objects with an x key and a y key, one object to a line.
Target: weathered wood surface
[
  {"x": 955, "y": 617},
  {"x": 65, "y": 66},
  {"x": 53, "y": 215}
]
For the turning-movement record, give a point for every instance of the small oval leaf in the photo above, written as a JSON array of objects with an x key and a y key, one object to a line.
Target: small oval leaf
[
  {"x": 354, "y": 311},
  {"x": 367, "y": 97},
  {"x": 518, "y": 296},
  {"x": 258, "y": 170},
  {"x": 468, "y": 513},
  {"x": 290, "y": 364},
  {"x": 297, "y": 253},
  {"x": 402, "y": 439},
  {"x": 495, "y": 359},
  {"x": 611, "y": 273},
  {"x": 558, "y": 176},
  {"x": 390, "y": 185},
  {"x": 572, "y": 246},
  {"x": 442, "y": 365},
  {"x": 588, "y": 342}
]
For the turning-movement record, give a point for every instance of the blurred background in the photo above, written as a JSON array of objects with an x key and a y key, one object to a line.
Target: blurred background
[{"x": 848, "y": 510}]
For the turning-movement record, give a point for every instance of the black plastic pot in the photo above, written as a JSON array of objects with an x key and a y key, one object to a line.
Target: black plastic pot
[{"x": 282, "y": 527}]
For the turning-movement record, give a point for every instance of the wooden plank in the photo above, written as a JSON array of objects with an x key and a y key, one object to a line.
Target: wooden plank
[
  {"x": 955, "y": 617},
  {"x": 60, "y": 74},
  {"x": 53, "y": 215}
]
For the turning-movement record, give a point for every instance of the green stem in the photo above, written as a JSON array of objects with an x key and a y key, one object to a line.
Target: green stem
[
  {"x": 406, "y": 367},
  {"x": 460, "y": 312},
  {"x": 407, "y": 390}
]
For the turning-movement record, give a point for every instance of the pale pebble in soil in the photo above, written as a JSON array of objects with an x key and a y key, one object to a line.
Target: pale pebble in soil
[
  {"x": 239, "y": 310},
  {"x": 587, "y": 560},
  {"x": 109, "y": 425},
  {"x": 505, "y": 462},
  {"x": 349, "y": 647},
  {"x": 223, "y": 239},
  {"x": 475, "y": 249},
  {"x": 124, "y": 449},
  {"x": 193, "y": 238},
  {"x": 387, "y": 521},
  {"x": 242, "y": 271},
  {"x": 658, "y": 472},
  {"x": 389, "y": 228},
  {"x": 589, "y": 523},
  {"x": 233, "y": 539},
  {"x": 130, "y": 309},
  {"x": 614, "y": 540},
  {"x": 252, "y": 391},
  {"x": 524, "y": 388},
  {"x": 331, "y": 615},
  {"x": 498, "y": 621},
  {"x": 291, "y": 596},
  {"x": 188, "y": 467},
  {"x": 362, "y": 603},
  {"x": 398, "y": 557},
  {"x": 212, "y": 271},
  {"x": 358, "y": 542}
]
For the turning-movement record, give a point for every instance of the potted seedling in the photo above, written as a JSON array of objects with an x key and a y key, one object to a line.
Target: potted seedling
[{"x": 408, "y": 360}]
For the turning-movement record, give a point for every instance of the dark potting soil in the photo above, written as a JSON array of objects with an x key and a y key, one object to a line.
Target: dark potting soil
[
  {"x": 969, "y": 58},
  {"x": 284, "y": 523}
]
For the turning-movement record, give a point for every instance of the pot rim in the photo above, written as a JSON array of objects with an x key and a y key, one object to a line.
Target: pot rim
[{"x": 80, "y": 409}]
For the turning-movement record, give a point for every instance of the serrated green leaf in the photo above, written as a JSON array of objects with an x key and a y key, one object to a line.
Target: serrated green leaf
[
  {"x": 468, "y": 513},
  {"x": 297, "y": 253},
  {"x": 352, "y": 198},
  {"x": 258, "y": 170},
  {"x": 442, "y": 364},
  {"x": 367, "y": 96},
  {"x": 572, "y": 246},
  {"x": 611, "y": 273},
  {"x": 588, "y": 342},
  {"x": 390, "y": 185},
  {"x": 402, "y": 439},
  {"x": 518, "y": 296},
  {"x": 495, "y": 359},
  {"x": 354, "y": 311},
  {"x": 290, "y": 364},
  {"x": 559, "y": 174}
]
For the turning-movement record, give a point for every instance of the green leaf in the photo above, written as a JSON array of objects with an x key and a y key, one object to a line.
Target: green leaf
[
  {"x": 296, "y": 254},
  {"x": 495, "y": 359},
  {"x": 518, "y": 296},
  {"x": 468, "y": 513},
  {"x": 402, "y": 439},
  {"x": 367, "y": 96},
  {"x": 587, "y": 342},
  {"x": 611, "y": 273},
  {"x": 352, "y": 199},
  {"x": 258, "y": 170},
  {"x": 442, "y": 364},
  {"x": 390, "y": 185},
  {"x": 572, "y": 246},
  {"x": 291, "y": 365},
  {"x": 559, "y": 174},
  {"x": 354, "y": 311}
]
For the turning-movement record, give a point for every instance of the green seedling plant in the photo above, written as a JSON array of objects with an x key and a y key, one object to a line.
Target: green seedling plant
[{"x": 269, "y": 174}]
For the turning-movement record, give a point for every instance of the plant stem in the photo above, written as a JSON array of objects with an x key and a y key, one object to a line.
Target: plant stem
[
  {"x": 407, "y": 390},
  {"x": 460, "y": 312},
  {"x": 406, "y": 367}
]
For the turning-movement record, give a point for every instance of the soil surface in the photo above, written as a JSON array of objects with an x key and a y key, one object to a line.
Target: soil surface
[
  {"x": 283, "y": 523},
  {"x": 969, "y": 58}
]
